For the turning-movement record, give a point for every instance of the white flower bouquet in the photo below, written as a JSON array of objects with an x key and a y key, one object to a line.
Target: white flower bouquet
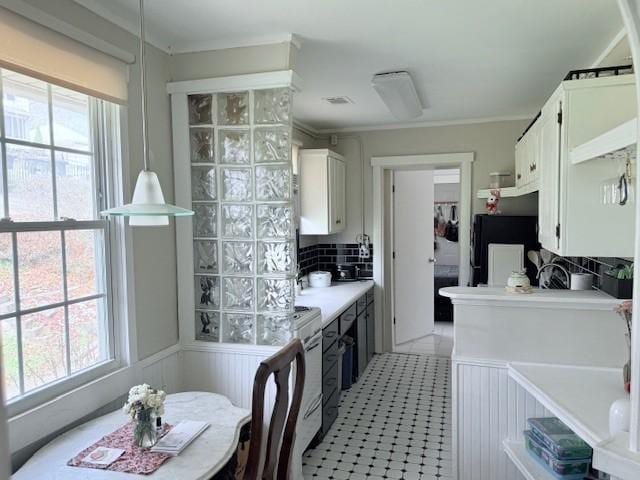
[
  {"x": 144, "y": 404},
  {"x": 144, "y": 397}
]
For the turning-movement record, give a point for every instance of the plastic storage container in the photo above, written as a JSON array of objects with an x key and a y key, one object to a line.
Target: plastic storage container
[
  {"x": 573, "y": 469},
  {"x": 559, "y": 439},
  {"x": 347, "y": 363}
]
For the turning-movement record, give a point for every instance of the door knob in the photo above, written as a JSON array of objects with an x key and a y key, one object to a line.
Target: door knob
[{"x": 432, "y": 260}]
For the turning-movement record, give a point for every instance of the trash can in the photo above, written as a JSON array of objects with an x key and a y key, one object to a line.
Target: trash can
[
  {"x": 347, "y": 363},
  {"x": 341, "y": 350}
]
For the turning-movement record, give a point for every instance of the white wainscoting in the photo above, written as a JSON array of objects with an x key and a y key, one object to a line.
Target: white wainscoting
[
  {"x": 488, "y": 407},
  {"x": 229, "y": 372}
]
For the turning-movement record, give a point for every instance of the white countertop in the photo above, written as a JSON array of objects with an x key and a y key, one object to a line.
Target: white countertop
[
  {"x": 333, "y": 300},
  {"x": 592, "y": 299}
]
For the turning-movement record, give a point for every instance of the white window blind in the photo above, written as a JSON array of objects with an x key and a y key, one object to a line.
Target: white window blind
[{"x": 35, "y": 50}]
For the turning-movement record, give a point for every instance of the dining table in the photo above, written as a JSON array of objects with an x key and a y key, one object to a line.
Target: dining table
[{"x": 206, "y": 457}]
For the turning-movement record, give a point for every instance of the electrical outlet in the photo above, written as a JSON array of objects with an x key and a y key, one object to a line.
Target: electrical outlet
[{"x": 364, "y": 251}]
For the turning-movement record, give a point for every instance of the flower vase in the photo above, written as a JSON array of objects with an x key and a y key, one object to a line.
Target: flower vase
[
  {"x": 626, "y": 371},
  {"x": 144, "y": 429}
]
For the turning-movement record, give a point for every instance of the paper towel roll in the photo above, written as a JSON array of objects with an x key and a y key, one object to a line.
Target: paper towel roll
[{"x": 581, "y": 281}]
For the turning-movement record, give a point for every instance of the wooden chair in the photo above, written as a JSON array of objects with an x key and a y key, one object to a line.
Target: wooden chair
[{"x": 279, "y": 446}]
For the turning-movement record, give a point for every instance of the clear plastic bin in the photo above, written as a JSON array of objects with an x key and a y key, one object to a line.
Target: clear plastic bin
[{"x": 574, "y": 469}]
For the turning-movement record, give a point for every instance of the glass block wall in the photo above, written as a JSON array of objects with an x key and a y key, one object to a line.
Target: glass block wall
[{"x": 243, "y": 228}]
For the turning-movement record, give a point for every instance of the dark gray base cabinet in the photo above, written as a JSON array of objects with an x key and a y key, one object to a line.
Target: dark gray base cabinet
[{"x": 356, "y": 321}]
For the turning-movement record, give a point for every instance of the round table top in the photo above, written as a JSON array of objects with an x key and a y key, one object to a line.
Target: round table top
[{"x": 208, "y": 453}]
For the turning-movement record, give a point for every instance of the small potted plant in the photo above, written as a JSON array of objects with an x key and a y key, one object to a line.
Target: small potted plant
[
  {"x": 618, "y": 281},
  {"x": 143, "y": 406}
]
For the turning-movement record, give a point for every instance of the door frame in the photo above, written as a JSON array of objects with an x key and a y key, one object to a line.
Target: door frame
[{"x": 382, "y": 277}]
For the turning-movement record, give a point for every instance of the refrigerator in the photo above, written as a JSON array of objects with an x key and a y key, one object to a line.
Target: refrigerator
[{"x": 507, "y": 229}]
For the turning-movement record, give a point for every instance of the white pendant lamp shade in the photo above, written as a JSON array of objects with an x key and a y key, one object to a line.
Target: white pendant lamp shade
[{"x": 148, "y": 208}]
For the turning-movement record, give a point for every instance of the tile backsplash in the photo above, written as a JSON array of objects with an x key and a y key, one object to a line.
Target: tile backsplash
[
  {"x": 594, "y": 265},
  {"x": 325, "y": 256}
]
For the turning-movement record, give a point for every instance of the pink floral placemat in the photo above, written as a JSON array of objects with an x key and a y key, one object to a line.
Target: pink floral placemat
[{"x": 134, "y": 459}]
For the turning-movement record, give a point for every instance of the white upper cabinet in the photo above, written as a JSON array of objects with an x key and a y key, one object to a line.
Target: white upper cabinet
[
  {"x": 549, "y": 169},
  {"x": 573, "y": 219},
  {"x": 527, "y": 154},
  {"x": 323, "y": 176}
]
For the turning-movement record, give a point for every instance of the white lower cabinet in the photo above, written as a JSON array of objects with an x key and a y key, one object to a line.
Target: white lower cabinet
[
  {"x": 573, "y": 219},
  {"x": 323, "y": 177}
]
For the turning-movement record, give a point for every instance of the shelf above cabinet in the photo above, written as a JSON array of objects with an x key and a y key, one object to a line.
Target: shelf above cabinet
[
  {"x": 523, "y": 461},
  {"x": 579, "y": 396},
  {"x": 510, "y": 191},
  {"x": 615, "y": 139}
]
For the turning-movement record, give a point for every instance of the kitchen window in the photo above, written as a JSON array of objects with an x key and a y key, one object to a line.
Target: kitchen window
[{"x": 56, "y": 312}]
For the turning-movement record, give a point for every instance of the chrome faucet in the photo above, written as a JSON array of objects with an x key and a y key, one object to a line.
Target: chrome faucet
[{"x": 559, "y": 267}]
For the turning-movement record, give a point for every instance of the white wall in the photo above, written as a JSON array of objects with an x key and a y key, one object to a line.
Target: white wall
[
  {"x": 493, "y": 144},
  {"x": 231, "y": 61}
]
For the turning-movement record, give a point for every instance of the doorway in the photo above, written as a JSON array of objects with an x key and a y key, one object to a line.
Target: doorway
[{"x": 384, "y": 168}]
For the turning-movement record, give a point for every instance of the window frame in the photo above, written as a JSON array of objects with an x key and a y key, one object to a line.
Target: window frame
[{"x": 106, "y": 149}]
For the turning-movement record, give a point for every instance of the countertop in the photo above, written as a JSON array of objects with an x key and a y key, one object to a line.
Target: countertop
[
  {"x": 592, "y": 299},
  {"x": 333, "y": 300}
]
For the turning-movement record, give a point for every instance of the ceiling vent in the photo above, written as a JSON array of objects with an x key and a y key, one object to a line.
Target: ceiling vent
[{"x": 338, "y": 100}]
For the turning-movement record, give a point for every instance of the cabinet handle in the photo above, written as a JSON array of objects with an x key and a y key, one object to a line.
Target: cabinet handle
[
  {"x": 338, "y": 222},
  {"x": 519, "y": 176}
]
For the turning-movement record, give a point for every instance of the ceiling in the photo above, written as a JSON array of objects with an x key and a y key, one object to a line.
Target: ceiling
[{"x": 470, "y": 59}]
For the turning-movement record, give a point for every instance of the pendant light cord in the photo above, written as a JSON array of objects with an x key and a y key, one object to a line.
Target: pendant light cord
[{"x": 143, "y": 88}]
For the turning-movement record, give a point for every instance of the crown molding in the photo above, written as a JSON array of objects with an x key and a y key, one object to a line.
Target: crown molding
[
  {"x": 609, "y": 48},
  {"x": 405, "y": 125},
  {"x": 131, "y": 25},
  {"x": 224, "y": 44}
]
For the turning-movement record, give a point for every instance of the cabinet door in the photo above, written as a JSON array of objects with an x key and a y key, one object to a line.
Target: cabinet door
[
  {"x": 337, "y": 195},
  {"x": 371, "y": 338},
  {"x": 519, "y": 159},
  {"x": 549, "y": 164},
  {"x": 534, "y": 154},
  {"x": 361, "y": 343}
]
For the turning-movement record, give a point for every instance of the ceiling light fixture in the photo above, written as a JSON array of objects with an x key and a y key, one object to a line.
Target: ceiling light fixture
[
  {"x": 397, "y": 91},
  {"x": 147, "y": 207}
]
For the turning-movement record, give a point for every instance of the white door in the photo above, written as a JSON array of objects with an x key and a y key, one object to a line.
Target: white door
[{"x": 414, "y": 255}]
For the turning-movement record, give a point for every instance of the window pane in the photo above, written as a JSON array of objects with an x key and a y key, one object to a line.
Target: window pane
[
  {"x": 43, "y": 347},
  {"x": 2, "y": 205},
  {"x": 83, "y": 248},
  {"x": 74, "y": 186},
  {"x": 70, "y": 119},
  {"x": 7, "y": 292},
  {"x": 9, "y": 345},
  {"x": 87, "y": 326},
  {"x": 39, "y": 268},
  {"x": 30, "y": 183},
  {"x": 26, "y": 108}
]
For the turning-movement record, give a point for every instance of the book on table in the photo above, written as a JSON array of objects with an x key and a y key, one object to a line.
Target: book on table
[{"x": 179, "y": 437}]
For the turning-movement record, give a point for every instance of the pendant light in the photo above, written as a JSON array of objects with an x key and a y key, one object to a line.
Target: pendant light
[{"x": 147, "y": 207}]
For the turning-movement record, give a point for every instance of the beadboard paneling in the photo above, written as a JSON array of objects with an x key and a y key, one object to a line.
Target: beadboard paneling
[
  {"x": 228, "y": 373},
  {"x": 489, "y": 407},
  {"x": 165, "y": 373}
]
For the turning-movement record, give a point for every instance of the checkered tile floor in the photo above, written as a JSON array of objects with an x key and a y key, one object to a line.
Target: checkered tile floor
[{"x": 395, "y": 423}]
